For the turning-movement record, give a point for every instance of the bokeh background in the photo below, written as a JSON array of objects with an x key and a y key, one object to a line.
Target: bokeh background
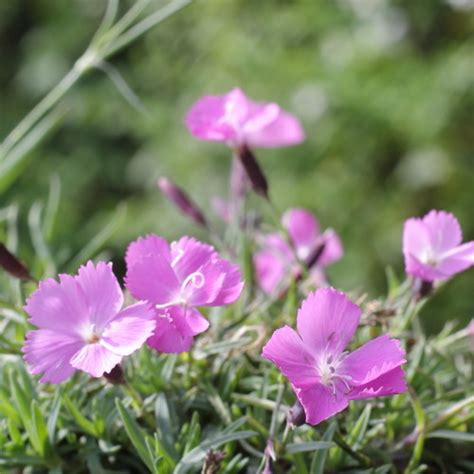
[{"x": 384, "y": 89}]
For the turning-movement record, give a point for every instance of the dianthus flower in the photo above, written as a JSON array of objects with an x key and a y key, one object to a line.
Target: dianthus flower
[
  {"x": 278, "y": 259},
  {"x": 324, "y": 376},
  {"x": 432, "y": 247},
  {"x": 81, "y": 324},
  {"x": 177, "y": 278},
  {"x": 236, "y": 120}
]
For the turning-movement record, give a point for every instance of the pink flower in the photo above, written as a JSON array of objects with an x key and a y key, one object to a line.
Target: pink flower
[
  {"x": 236, "y": 120},
  {"x": 324, "y": 377},
  {"x": 82, "y": 324},
  {"x": 176, "y": 279},
  {"x": 432, "y": 247},
  {"x": 278, "y": 259}
]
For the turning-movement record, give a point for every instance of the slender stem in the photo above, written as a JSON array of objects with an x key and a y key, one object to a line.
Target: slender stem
[
  {"x": 101, "y": 48},
  {"x": 362, "y": 458},
  {"x": 51, "y": 99},
  {"x": 143, "y": 26}
]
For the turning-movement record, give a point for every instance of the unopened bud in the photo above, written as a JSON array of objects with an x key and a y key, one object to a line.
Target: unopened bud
[
  {"x": 12, "y": 265},
  {"x": 115, "y": 376},
  {"x": 422, "y": 289},
  {"x": 315, "y": 255},
  {"x": 254, "y": 172},
  {"x": 181, "y": 200},
  {"x": 296, "y": 415}
]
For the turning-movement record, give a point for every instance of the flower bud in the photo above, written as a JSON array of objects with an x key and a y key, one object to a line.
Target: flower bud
[
  {"x": 314, "y": 256},
  {"x": 422, "y": 289},
  {"x": 296, "y": 415},
  {"x": 254, "y": 172},
  {"x": 181, "y": 200},
  {"x": 115, "y": 376},
  {"x": 12, "y": 265}
]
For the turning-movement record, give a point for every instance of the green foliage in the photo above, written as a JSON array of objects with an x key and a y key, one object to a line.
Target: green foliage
[{"x": 385, "y": 92}]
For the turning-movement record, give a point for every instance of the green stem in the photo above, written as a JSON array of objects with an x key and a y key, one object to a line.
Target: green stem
[
  {"x": 361, "y": 458},
  {"x": 46, "y": 104}
]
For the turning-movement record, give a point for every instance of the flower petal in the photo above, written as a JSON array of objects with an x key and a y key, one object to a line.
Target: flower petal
[
  {"x": 189, "y": 255},
  {"x": 58, "y": 306},
  {"x": 373, "y": 359},
  {"x": 288, "y": 352},
  {"x": 333, "y": 250},
  {"x": 206, "y": 120},
  {"x": 175, "y": 329},
  {"x": 130, "y": 329},
  {"x": 456, "y": 260},
  {"x": 327, "y": 320},
  {"x": 232, "y": 285},
  {"x": 303, "y": 228},
  {"x": 152, "y": 279},
  {"x": 202, "y": 287},
  {"x": 95, "y": 359},
  {"x": 49, "y": 352},
  {"x": 443, "y": 229},
  {"x": 269, "y": 271},
  {"x": 390, "y": 383},
  {"x": 101, "y": 291},
  {"x": 144, "y": 246},
  {"x": 284, "y": 130},
  {"x": 320, "y": 403}
]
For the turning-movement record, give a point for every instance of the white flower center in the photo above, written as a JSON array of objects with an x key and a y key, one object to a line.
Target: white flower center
[
  {"x": 93, "y": 335},
  {"x": 428, "y": 258},
  {"x": 329, "y": 371}
]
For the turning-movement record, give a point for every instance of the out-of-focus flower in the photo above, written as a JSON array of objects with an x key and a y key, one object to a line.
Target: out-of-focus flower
[
  {"x": 81, "y": 324},
  {"x": 324, "y": 376},
  {"x": 279, "y": 259},
  {"x": 236, "y": 120},
  {"x": 432, "y": 247},
  {"x": 176, "y": 278},
  {"x": 239, "y": 122},
  {"x": 182, "y": 201}
]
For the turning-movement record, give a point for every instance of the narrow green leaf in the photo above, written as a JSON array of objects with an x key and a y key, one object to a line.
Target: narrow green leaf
[
  {"x": 310, "y": 446},
  {"x": 86, "y": 425},
  {"x": 16, "y": 160},
  {"x": 198, "y": 454},
  {"x": 40, "y": 431},
  {"x": 135, "y": 434},
  {"x": 452, "y": 435},
  {"x": 357, "y": 433},
  {"x": 53, "y": 417},
  {"x": 319, "y": 459}
]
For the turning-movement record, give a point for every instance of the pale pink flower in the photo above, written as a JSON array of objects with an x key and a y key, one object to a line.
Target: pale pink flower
[
  {"x": 81, "y": 324},
  {"x": 279, "y": 260},
  {"x": 236, "y": 120},
  {"x": 432, "y": 247},
  {"x": 324, "y": 376},
  {"x": 176, "y": 278}
]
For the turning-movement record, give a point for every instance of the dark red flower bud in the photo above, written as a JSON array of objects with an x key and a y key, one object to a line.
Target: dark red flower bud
[
  {"x": 115, "y": 376},
  {"x": 182, "y": 201},
  {"x": 254, "y": 172},
  {"x": 422, "y": 289},
  {"x": 315, "y": 255},
  {"x": 296, "y": 415},
  {"x": 12, "y": 265}
]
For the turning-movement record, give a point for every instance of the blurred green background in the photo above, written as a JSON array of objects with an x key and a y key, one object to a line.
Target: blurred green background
[{"x": 384, "y": 89}]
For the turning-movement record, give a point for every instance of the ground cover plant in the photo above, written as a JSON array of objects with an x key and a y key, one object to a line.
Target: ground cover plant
[{"x": 233, "y": 352}]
